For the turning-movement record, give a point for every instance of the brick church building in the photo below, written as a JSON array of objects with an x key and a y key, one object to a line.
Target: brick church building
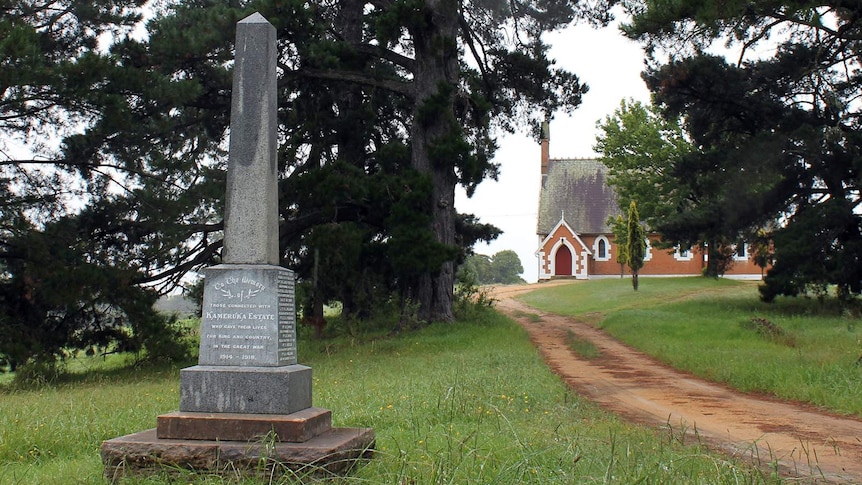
[{"x": 575, "y": 241}]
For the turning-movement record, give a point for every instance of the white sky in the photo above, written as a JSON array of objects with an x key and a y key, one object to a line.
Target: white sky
[{"x": 611, "y": 65}]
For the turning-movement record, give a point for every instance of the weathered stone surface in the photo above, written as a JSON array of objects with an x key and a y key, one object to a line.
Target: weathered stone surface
[
  {"x": 336, "y": 451},
  {"x": 255, "y": 390},
  {"x": 251, "y": 208},
  {"x": 296, "y": 428},
  {"x": 248, "y": 316}
]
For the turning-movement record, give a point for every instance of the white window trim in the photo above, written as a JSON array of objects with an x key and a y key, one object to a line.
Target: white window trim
[
  {"x": 681, "y": 255},
  {"x": 648, "y": 252},
  {"x": 607, "y": 249},
  {"x": 736, "y": 256}
]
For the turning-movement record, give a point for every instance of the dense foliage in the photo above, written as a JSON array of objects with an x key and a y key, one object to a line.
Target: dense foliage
[
  {"x": 644, "y": 150},
  {"x": 640, "y": 148},
  {"x": 67, "y": 267},
  {"x": 775, "y": 127},
  {"x": 384, "y": 107}
]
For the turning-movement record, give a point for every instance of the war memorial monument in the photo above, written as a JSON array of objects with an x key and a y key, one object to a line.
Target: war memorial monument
[{"x": 247, "y": 402}]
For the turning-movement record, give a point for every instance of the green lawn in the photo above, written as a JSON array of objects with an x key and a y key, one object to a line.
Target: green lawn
[
  {"x": 467, "y": 403},
  {"x": 710, "y": 328}
]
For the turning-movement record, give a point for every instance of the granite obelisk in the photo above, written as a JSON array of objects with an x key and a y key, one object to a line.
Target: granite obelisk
[
  {"x": 247, "y": 360},
  {"x": 247, "y": 384},
  {"x": 251, "y": 209}
]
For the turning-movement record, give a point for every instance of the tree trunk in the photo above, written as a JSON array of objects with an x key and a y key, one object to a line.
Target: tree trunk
[
  {"x": 316, "y": 319},
  {"x": 713, "y": 256},
  {"x": 635, "y": 280},
  {"x": 351, "y": 142},
  {"x": 436, "y": 78}
]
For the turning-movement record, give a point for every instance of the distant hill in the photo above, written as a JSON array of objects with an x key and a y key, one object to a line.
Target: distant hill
[{"x": 177, "y": 305}]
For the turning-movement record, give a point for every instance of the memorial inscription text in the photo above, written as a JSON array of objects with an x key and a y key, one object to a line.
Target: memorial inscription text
[{"x": 249, "y": 319}]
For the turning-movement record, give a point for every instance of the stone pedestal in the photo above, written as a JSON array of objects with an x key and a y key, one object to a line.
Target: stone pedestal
[
  {"x": 247, "y": 405},
  {"x": 259, "y": 390}
]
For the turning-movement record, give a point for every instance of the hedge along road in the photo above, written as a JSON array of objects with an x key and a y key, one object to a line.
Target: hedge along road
[{"x": 801, "y": 441}]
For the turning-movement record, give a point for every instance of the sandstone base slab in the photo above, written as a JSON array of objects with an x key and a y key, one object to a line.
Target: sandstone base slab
[
  {"x": 335, "y": 451},
  {"x": 296, "y": 428}
]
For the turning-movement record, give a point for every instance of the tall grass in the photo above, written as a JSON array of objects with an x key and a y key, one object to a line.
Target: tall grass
[
  {"x": 709, "y": 327},
  {"x": 467, "y": 403}
]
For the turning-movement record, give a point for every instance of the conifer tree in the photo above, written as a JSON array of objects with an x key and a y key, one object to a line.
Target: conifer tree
[
  {"x": 777, "y": 129},
  {"x": 619, "y": 226},
  {"x": 635, "y": 243}
]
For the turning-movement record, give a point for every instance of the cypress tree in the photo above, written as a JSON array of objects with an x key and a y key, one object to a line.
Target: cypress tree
[{"x": 635, "y": 243}]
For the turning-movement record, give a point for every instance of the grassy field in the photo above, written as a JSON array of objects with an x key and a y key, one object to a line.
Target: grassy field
[
  {"x": 796, "y": 348},
  {"x": 469, "y": 403}
]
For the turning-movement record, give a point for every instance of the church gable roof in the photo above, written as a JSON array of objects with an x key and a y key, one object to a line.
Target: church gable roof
[
  {"x": 576, "y": 189},
  {"x": 562, "y": 230}
]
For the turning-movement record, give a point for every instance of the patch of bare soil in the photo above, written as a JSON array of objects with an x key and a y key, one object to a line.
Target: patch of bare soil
[{"x": 801, "y": 442}]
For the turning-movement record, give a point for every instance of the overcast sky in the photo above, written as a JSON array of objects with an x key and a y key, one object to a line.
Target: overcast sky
[{"x": 611, "y": 65}]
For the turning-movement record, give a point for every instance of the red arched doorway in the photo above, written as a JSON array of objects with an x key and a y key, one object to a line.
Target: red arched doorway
[{"x": 563, "y": 262}]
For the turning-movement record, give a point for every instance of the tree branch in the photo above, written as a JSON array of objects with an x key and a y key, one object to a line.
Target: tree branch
[
  {"x": 468, "y": 39},
  {"x": 389, "y": 55},
  {"x": 400, "y": 87},
  {"x": 750, "y": 42},
  {"x": 200, "y": 258},
  {"x": 796, "y": 20},
  {"x": 382, "y": 4}
]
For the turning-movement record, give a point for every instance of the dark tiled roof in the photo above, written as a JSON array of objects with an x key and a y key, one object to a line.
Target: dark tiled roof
[{"x": 577, "y": 188}]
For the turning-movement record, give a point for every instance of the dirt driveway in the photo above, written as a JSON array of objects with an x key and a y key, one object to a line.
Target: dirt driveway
[{"x": 801, "y": 441}]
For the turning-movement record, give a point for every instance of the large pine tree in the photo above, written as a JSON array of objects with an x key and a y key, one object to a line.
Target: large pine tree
[{"x": 384, "y": 107}]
